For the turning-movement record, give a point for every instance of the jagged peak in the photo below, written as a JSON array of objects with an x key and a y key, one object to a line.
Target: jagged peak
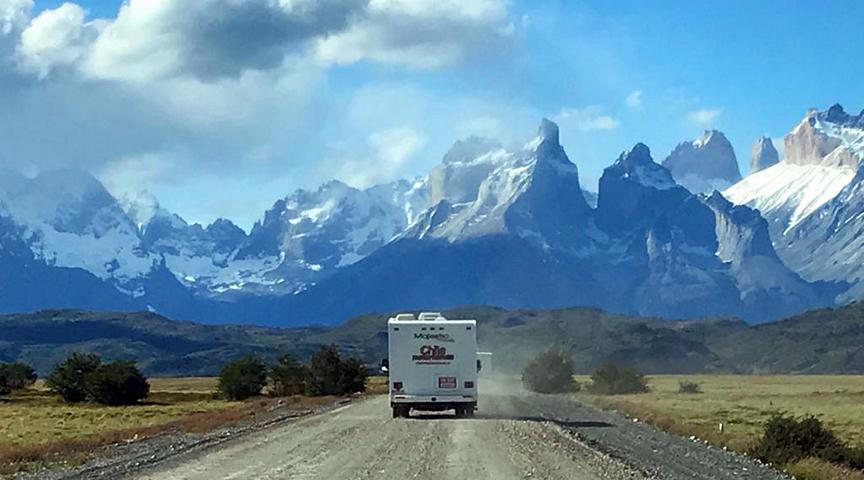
[
  {"x": 547, "y": 137},
  {"x": 836, "y": 114},
  {"x": 548, "y": 130},
  {"x": 710, "y": 136},
  {"x": 638, "y": 166},
  {"x": 640, "y": 154}
]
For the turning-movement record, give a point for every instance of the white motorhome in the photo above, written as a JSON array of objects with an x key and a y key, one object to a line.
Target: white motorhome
[{"x": 432, "y": 364}]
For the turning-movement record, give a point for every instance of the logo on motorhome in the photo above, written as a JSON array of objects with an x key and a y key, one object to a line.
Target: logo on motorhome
[
  {"x": 441, "y": 337},
  {"x": 433, "y": 353}
]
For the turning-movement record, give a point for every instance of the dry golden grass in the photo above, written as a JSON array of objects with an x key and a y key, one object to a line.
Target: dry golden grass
[
  {"x": 40, "y": 428},
  {"x": 742, "y": 404},
  {"x": 378, "y": 385},
  {"x": 812, "y": 469}
]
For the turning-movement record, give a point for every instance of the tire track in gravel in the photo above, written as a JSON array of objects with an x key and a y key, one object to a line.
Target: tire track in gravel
[
  {"x": 360, "y": 441},
  {"x": 516, "y": 435}
]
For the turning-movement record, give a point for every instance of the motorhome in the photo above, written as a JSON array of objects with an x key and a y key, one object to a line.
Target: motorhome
[{"x": 432, "y": 364}]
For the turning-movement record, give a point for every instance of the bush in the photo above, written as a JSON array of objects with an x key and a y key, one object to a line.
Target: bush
[
  {"x": 611, "y": 379},
  {"x": 116, "y": 383},
  {"x": 5, "y": 389},
  {"x": 68, "y": 377},
  {"x": 787, "y": 439},
  {"x": 287, "y": 377},
  {"x": 16, "y": 376},
  {"x": 329, "y": 374},
  {"x": 353, "y": 377},
  {"x": 689, "y": 387},
  {"x": 242, "y": 379},
  {"x": 550, "y": 372}
]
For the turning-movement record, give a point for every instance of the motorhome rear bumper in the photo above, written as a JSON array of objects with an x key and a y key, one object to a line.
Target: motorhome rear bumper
[{"x": 433, "y": 402}]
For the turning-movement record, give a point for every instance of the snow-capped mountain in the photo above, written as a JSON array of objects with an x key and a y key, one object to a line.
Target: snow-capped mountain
[
  {"x": 705, "y": 164},
  {"x": 309, "y": 234},
  {"x": 529, "y": 238},
  {"x": 763, "y": 155},
  {"x": 811, "y": 198},
  {"x": 69, "y": 220},
  {"x": 489, "y": 225},
  {"x": 533, "y": 194}
]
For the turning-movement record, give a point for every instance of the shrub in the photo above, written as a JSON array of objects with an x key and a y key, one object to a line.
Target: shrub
[
  {"x": 353, "y": 376},
  {"x": 611, "y": 379},
  {"x": 5, "y": 389},
  {"x": 242, "y": 378},
  {"x": 15, "y": 376},
  {"x": 787, "y": 439},
  {"x": 329, "y": 374},
  {"x": 287, "y": 377},
  {"x": 116, "y": 383},
  {"x": 550, "y": 372},
  {"x": 68, "y": 377},
  {"x": 689, "y": 387}
]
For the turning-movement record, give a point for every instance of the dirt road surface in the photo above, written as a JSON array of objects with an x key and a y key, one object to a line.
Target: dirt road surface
[{"x": 512, "y": 437}]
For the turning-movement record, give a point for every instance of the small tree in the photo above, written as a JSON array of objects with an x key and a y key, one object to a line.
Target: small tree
[
  {"x": 17, "y": 376},
  {"x": 329, "y": 374},
  {"x": 287, "y": 377},
  {"x": 242, "y": 378},
  {"x": 116, "y": 383},
  {"x": 353, "y": 378},
  {"x": 324, "y": 372},
  {"x": 787, "y": 439},
  {"x": 550, "y": 372},
  {"x": 611, "y": 379},
  {"x": 5, "y": 388},
  {"x": 68, "y": 379}
]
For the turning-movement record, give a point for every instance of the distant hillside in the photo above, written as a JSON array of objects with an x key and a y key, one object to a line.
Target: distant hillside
[{"x": 820, "y": 341}]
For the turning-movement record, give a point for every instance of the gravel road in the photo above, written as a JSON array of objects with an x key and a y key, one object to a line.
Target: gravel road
[{"x": 512, "y": 437}]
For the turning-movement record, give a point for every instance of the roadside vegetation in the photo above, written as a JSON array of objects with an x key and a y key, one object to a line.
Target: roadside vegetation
[
  {"x": 811, "y": 426},
  {"x": 550, "y": 372},
  {"x": 326, "y": 373},
  {"x": 15, "y": 376},
  {"x": 86, "y": 403},
  {"x": 611, "y": 379}
]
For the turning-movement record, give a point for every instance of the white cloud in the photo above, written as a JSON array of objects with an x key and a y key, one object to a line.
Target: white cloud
[
  {"x": 133, "y": 174},
  {"x": 634, "y": 99},
  {"x": 14, "y": 15},
  {"x": 587, "y": 118},
  {"x": 419, "y": 33},
  {"x": 159, "y": 39},
  {"x": 703, "y": 117},
  {"x": 55, "y": 38},
  {"x": 391, "y": 153},
  {"x": 165, "y": 38}
]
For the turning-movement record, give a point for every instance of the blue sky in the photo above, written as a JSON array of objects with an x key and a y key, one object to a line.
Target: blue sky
[{"x": 331, "y": 98}]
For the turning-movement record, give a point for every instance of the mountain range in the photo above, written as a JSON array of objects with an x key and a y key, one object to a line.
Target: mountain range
[{"x": 684, "y": 238}]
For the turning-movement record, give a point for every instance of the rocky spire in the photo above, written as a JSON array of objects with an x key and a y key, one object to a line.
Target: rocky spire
[
  {"x": 705, "y": 164},
  {"x": 763, "y": 155}
]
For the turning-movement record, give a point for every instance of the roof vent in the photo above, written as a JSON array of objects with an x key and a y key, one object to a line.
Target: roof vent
[{"x": 431, "y": 316}]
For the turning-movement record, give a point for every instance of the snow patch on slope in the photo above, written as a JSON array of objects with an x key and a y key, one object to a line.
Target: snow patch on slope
[{"x": 793, "y": 191}]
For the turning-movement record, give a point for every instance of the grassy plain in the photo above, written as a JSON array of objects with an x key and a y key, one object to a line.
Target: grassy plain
[
  {"x": 38, "y": 428},
  {"x": 743, "y": 403}
]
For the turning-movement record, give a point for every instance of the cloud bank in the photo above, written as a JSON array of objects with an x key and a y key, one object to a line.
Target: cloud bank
[{"x": 220, "y": 92}]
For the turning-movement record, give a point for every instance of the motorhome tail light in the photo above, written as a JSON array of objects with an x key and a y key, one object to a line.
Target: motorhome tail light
[
  {"x": 397, "y": 386},
  {"x": 469, "y": 384}
]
